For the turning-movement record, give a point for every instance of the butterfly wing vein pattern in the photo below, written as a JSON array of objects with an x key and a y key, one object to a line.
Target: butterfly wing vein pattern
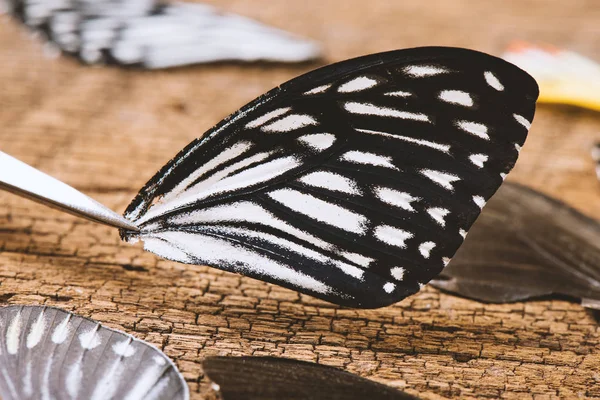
[
  {"x": 336, "y": 180},
  {"x": 48, "y": 353}
]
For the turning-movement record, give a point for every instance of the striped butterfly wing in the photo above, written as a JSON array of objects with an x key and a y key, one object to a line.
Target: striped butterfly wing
[
  {"x": 49, "y": 353},
  {"x": 354, "y": 183},
  {"x": 156, "y": 34}
]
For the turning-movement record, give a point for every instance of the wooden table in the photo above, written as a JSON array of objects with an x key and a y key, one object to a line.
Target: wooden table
[{"x": 106, "y": 131}]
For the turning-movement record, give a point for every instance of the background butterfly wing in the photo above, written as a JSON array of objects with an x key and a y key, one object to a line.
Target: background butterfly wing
[
  {"x": 266, "y": 378},
  {"x": 523, "y": 245},
  {"x": 48, "y": 353},
  {"x": 157, "y": 34},
  {"x": 355, "y": 182}
]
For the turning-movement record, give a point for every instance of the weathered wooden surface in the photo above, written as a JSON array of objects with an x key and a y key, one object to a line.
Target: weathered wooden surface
[{"x": 106, "y": 131}]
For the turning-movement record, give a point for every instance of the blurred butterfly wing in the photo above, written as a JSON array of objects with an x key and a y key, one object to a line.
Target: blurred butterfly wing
[
  {"x": 524, "y": 245},
  {"x": 50, "y": 353},
  {"x": 157, "y": 34},
  {"x": 269, "y": 378},
  {"x": 354, "y": 183}
]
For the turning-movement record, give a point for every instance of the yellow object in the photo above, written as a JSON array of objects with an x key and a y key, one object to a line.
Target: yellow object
[{"x": 563, "y": 76}]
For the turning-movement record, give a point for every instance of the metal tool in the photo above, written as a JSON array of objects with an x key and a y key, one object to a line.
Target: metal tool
[{"x": 24, "y": 180}]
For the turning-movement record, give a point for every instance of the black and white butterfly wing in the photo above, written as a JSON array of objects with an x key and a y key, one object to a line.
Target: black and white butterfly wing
[
  {"x": 48, "y": 353},
  {"x": 354, "y": 183},
  {"x": 157, "y": 34}
]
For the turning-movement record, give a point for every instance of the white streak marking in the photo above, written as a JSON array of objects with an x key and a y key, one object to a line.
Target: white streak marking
[
  {"x": 425, "y": 248},
  {"x": 61, "y": 332},
  {"x": 267, "y": 117},
  {"x": 357, "y": 258},
  {"x": 73, "y": 379},
  {"x": 398, "y": 93},
  {"x": 247, "y": 212},
  {"x": 217, "y": 251},
  {"x": 480, "y": 201},
  {"x": 223, "y": 157},
  {"x": 389, "y": 287},
  {"x": 398, "y": 273},
  {"x": 456, "y": 97},
  {"x": 90, "y": 339},
  {"x": 13, "y": 334},
  {"x": 462, "y": 233},
  {"x": 474, "y": 128},
  {"x": 45, "y": 389},
  {"x": 292, "y": 246},
  {"x": 357, "y": 84},
  {"x": 318, "y": 141},
  {"x": 290, "y": 123},
  {"x": 491, "y": 80},
  {"x": 523, "y": 121},
  {"x": 37, "y": 331},
  {"x": 331, "y": 181},
  {"x": 441, "y": 178},
  {"x": 438, "y": 214},
  {"x": 518, "y": 147},
  {"x": 478, "y": 159},
  {"x": 321, "y": 210},
  {"x": 27, "y": 385},
  {"x": 421, "y": 71},
  {"x": 149, "y": 377},
  {"x": 396, "y": 198},
  {"x": 372, "y": 109},
  {"x": 422, "y": 142},
  {"x": 360, "y": 157},
  {"x": 392, "y": 236},
  {"x": 318, "y": 89},
  {"x": 156, "y": 391}
]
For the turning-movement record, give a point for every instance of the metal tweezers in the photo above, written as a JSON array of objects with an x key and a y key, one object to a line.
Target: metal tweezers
[{"x": 24, "y": 180}]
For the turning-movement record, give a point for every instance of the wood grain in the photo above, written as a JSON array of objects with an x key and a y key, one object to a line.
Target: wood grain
[{"x": 106, "y": 131}]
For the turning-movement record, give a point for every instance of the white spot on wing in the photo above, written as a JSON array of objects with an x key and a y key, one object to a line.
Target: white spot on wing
[
  {"x": 398, "y": 273},
  {"x": 73, "y": 379},
  {"x": 372, "y": 109},
  {"x": 523, "y": 121},
  {"x": 425, "y": 248},
  {"x": 474, "y": 128},
  {"x": 61, "y": 332},
  {"x": 399, "y": 93},
  {"x": 318, "y": 89},
  {"x": 438, "y": 214},
  {"x": 502, "y": 175},
  {"x": 360, "y": 157},
  {"x": 491, "y": 80},
  {"x": 389, "y": 287},
  {"x": 289, "y": 123},
  {"x": 13, "y": 334},
  {"x": 37, "y": 331},
  {"x": 421, "y": 71},
  {"x": 396, "y": 198},
  {"x": 392, "y": 236},
  {"x": 124, "y": 348},
  {"x": 318, "y": 141},
  {"x": 267, "y": 117},
  {"x": 480, "y": 201},
  {"x": 357, "y": 84},
  {"x": 320, "y": 210},
  {"x": 441, "y": 178},
  {"x": 331, "y": 181},
  {"x": 456, "y": 97},
  {"x": 357, "y": 258},
  {"x": 518, "y": 147},
  {"x": 446, "y": 261},
  {"x": 90, "y": 340},
  {"x": 462, "y": 233},
  {"x": 478, "y": 159},
  {"x": 422, "y": 142}
]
